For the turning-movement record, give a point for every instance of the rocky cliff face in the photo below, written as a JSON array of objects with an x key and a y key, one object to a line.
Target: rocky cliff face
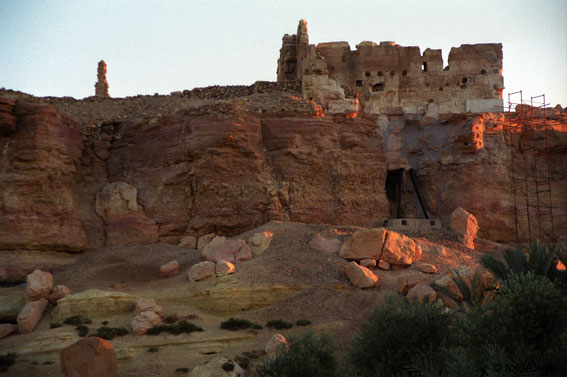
[{"x": 146, "y": 169}]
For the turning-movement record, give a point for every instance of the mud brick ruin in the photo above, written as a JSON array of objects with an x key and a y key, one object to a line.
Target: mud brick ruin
[
  {"x": 101, "y": 86},
  {"x": 387, "y": 78}
]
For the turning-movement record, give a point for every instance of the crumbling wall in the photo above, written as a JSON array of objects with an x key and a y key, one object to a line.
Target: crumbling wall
[{"x": 387, "y": 78}]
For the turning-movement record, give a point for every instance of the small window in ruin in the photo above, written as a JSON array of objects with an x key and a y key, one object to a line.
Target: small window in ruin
[
  {"x": 392, "y": 73},
  {"x": 483, "y": 72},
  {"x": 378, "y": 87},
  {"x": 432, "y": 222},
  {"x": 424, "y": 67},
  {"x": 359, "y": 83},
  {"x": 367, "y": 74},
  {"x": 404, "y": 73},
  {"x": 380, "y": 73},
  {"x": 440, "y": 88},
  {"x": 404, "y": 222},
  {"x": 464, "y": 80}
]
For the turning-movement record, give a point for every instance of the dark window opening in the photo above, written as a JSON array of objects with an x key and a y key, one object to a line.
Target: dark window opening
[
  {"x": 380, "y": 73},
  {"x": 432, "y": 222},
  {"x": 483, "y": 72},
  {"x": 466, "y": 143},
  {"x": 358, "y": 83},
  {"x": 404, "y": 222},
  {"x": 440, "y": 88},
  {"x": 378, "y": 87},
  {"x": 424, "y": 67},
  {"x": 446, "y": 68},
  {"x": 392, "y": 73},
  {"x": 464, "y": 80},
  {"x": 367, "y": 74},
  {"x": 404, "y": 73}
]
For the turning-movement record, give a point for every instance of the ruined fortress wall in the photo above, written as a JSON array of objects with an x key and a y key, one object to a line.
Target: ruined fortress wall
[{"x": 391, "y": 79}]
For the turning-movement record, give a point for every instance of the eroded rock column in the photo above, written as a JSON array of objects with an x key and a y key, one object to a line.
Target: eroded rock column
[{"x": 101, "y": 86}]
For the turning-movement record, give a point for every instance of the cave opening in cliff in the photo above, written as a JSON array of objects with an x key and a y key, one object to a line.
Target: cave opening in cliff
[{"x": 392, "y": 192}]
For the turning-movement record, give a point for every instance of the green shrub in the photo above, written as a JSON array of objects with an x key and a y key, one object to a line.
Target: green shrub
[
  {"x": 279, "y": 324},
  {"x": 528, "y": 310},
  {"x": 303, "y": 322},
  {"x": 182, "y": 327},
  {"x": 54, "y": 325},
  {"x": 309, "y": 355},
  {"x": 234, "y": 324},
  {"x": 82, "y": 330},
  {"x": 153, "y": 349},
  {"x": 182, "y": 370},
  {"x": 77, "y": 320},
  {"x": 109, "y": 333},
  {"x": 394, "y": 333}
]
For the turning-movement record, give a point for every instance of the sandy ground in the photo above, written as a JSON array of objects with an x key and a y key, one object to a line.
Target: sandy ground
[{"x": 329, "y": 300}]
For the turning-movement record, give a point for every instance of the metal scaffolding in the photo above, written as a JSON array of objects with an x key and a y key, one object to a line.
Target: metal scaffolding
[{"x": 526, "y": 128}]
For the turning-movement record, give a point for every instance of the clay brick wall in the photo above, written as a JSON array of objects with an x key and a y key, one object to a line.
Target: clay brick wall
[{"x": 390, "y": 78}]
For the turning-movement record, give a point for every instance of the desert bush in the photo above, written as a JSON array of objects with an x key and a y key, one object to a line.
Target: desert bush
[
  {"x": 234, "y": 324},
  {"x": 303, "y": 322},
  {"x": 153, "y": 349},
  {"x": 6, "y": 361},
  {"x": 279, "y": 324},
  {"x": 182, "y": 327},
  {"x": 77, "y": 320},
  {"x": 109, "y": 333},
  {"x": 474, "y": 294},
  {"x": 54, "y": 325},
  {"x": 394, "y": 333},
  {"x": 82, "y": 330},
  {"x": 309, "y": 355}
]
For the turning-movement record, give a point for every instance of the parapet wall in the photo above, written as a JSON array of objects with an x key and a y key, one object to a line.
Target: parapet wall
[{"x": 387, "y": 78}]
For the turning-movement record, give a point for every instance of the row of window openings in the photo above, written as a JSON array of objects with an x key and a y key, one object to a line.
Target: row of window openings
[
  {"x": 380, "y": 87},
  {"x": 423, "y": 69}
]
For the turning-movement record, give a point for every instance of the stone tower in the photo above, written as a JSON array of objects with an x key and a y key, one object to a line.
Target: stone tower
[{"x": 101, "y": 86}]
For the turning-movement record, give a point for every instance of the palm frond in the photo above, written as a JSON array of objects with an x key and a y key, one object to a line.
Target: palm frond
[{"x": 496, "y": 266}]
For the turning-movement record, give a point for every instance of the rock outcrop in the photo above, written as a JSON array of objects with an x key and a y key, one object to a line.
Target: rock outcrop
[
  {"x": 218, "y": 367},
  {"x": 466, "y": 226},
  {"x": 39, "y": 285},
  {"x": 201, "y": 271},
  {"x": 30, "y": 315},
  {"x": 229, "y": 250},
  {"x": 360, "y": 277}
]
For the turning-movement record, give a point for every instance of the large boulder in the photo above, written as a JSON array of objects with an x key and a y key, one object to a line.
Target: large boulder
[
  {"x": 276, "y": 341},
  {"x": 148, "y": 305},
  {"x": 231, "y": 251},
  {"x": 260, "y": 241},
  {"x": 408, "y": 280},
  {"x": 201, "y": 271},
  {"x": 361, "y": 277},
  {"x": 30, "y": 315},
  {"x": 465, "y": 225},
  {"x": 144, "y": 321},
  {"x": 204, "y": 240},
  {"x": 39, "y": 285},
  {"x": 380, "y": 244},
  {"x": 422, "y": 292},
  {"x": 224, "y": 268},
  {"x": 327, "y": 245},
  {"x": 124, "y": 220},
  {"x": 218, "y": 367},
  {"x": 91, "y": 357},
  {"x": 58, "y": 293}
]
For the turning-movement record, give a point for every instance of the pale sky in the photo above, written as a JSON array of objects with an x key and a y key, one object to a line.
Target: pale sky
[{"x": 52, "y": 47}]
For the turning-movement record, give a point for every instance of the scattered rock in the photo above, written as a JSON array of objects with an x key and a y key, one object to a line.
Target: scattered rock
[
  {"x": 58, "y": 293},
  {"x": 447, "y": 282},
  {"x": 432, "y": 249},
  {"x": 327, "y": 245},
  {"x": 91, "y": 357},
  {"x": 408, "y": 280},
  {"x": 144, "y": 321},
  {"x": 360, "y": 277},
  {"x": 204, "y": 240},
  {"x": 148, "y": 304},
  {"x": 228, "y": 250},
  {"x": 384, "y": 265},
  {"x": 260, "y": 241},
  {"x": 369, "y": 263},
  {"x": 223, "y": 268},
  {"x": 218, "y": 367},
  {"x": 188, "y": 242},
  {"x": 465, "y": 224},
  {"x": 6, "y": 329},
  {"x": 202, "y": 271},
  {"x": 277, "y": 341},
  {"x": 39, "y": 285},
  {"x": 380, "y": 243},
  {"x": 169, "y": 269},
  {"x": 427, "y": 268},
  {"x": 30, "y": 315}
]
